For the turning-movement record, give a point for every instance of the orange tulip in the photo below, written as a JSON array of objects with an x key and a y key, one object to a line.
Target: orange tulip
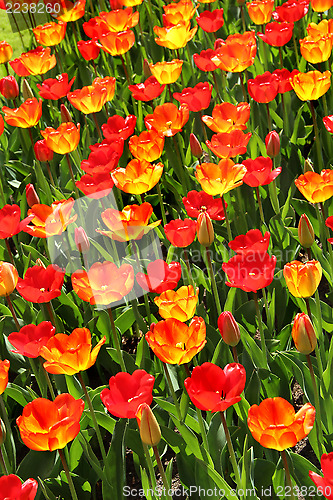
[
  {"x": 302, "y": 279},
  {"x": 89, "y": 99},
  {"x": 63, "y": 139},
  {"x": 274, "y": 423},
  {"x": 38, "y": 61},
  {"x": 237, "y": 52},
  {"x": 49, "y": 425},
  {"x": 104, "y": 283},
  {"x": 316, "y": 50},
  {"x": 325, "y": 27},
  {"x": 129, "y": 224},
  {"x": 26, "y": 116},
  {"x": 69, "y": 11},
  {"x": 167, "y": 119},
  {"x": 8, "y": 278},
  {"x": 260, "y": 11},
  {"x": 229, "y": 144},
  {"x": 173, "y": 342},
  {"x": 6, "y": 52},
  {"x": 167, "y": 72},
  {"x": 316, "y": 188},
  {"x": 119, "y": 43},
  {"x": 138, "y": 177},
  {"x": 179, "y": 12},
  {"x": 174, "y": 37},
  {"x": 109, "y": 82},
  {"x": 51, "y": 220},
  {"x": 50, "y": 34},
  {"x": 227, "y": 117},
  {"x": 4, "y": 368},
  {"x": 120, "y": 19},
  {"x": 221, "y": 178},
  {"x": 147, "y": 146},
  {"x": 321, "y": 5},
  {"x": 70, "y": 354},
  {"x": 178, "y": 304},
  {"x": 311, "y": 85}
]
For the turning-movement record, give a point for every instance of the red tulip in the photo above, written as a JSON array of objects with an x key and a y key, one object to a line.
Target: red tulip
[
  {"x": 95, "y": 185},
  {"x": 160, "y": 276},
  {"x": 9, "y": 87},
  {"x": 42, "y": 151},
  {"x": 11, "y": 488},
  {"x": 127, "y": 392},
  {"x": 212, "y": 389},
  {"x": 250, "y": 272},
  {"x": 228, "y": 328},
  {"x": 229, "y": 144},
  {"x": 117, "y": 126},
  {"x": 31, "y": 338},
  {"x": 55, "y": 88},
  {"x": 204, "y": 60},
  {"x": 199, "y": 201},
  {"x": 277, "y": 34},
  {"x": 31, "y": 195},
  {"x": 104, "y": 157},
  {"x": 41, "y": 284},
  {"x": 283, "y": 76},
  {"x": 252, "y": 241},
  {"x": 328, "y": 122},
  {"x": 10, "y": 223},
  {"x": 259, "y": 171},
  {"x": 272, "y": 142},
  {"x": 291, "y": 11},
  {"x": 181, "y": 233},
  {"x": 89, "y": 49},
  {"x": 324, "y": 484},
  {"x": 197, "y": 98},
  {"x": 148, "y": 90},
  {"x": 211, "y": 20},
  {"x": 263, "y": 88}
]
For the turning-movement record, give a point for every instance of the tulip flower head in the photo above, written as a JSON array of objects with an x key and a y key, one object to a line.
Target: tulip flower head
[
  {"x": 10, "y": 223},
  {"x": 228, "y": 328},
  {"x": 250, "y": 272},
  {"x": 212, "y": 388},
  {"x": 41, "y": 284},
  {"x": 229, "y": 144},
  {"x": 64, "y": 139},
  {"x": 311, "y": 85},
  {"x": 325, "y": 483},
  {"x": 8, "y": 278},
  {"x": 118, "y": 127},
  {"x": 173, "y": 342},
  {"x": 49, "y": 425},
  {"x": 316, "y": 188},
  {"x": 9, "y": 87},
  {"x": 197, "y": 202},
  {"x": 55, "y": 88},
  {"x": 50, "y": 34},
  {"x": 138, "y": 177},
  {"x": 31, "y": 338},
  {"x": 274, "y": 423},
  {"x": 127, "y": 392},
  {"x": 150, "y": 431},
  {"x": 148, "y": 90},
  {"x": 291, "y": 11},
  {"x": 251, "y": 242},
  {"x": 6, "y": 52},
  {"x": 302, "y": 279},
  {"x": 167, "y": 119},
  {"x": 236, "y": 53},
  {"x": 50, "y": 220},
  {"x": 277, "y": 34},
  {"x": 12, "y": 488},
  {"x": 259, "y": 171},
  {"x": 178, "y": 304},
  {"x": 303, "y": 334},
  {"x": 220, "y": 179},
  {"x": 210, "y": 20},
  {"x": 25, "y": 116},
  {"x": 260, "y": 11},
  {"x": 180, "y": 233},
  {"x": 227, "y": 117},
  {"x": 306, "y": 234},
  {"x": 197, "y": 98},
  {"x": 176, "y": 36},
  {"x": 167, "y": 72},
  {"x": 160, "y": 276}
]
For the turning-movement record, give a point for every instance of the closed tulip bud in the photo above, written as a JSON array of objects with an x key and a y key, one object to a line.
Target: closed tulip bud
[
  {"x": 42, "y": 151},
  {"x": 228, "y": 328},
  {"x": 81, "y": 240},
  {"x": 272, "y": 142},
  {"x": 205, "y": 230},
  {"x": 308, "y": 167},
  {"x": 146, "y": 69},
  {"x": 303, "y": 334},
  {"x": 65, "y": 114},
  {"x": 306, "y": 234},
  {"x": 150, "y": 431},
  {"x": 9, "y": 87},
  {"x": 32, "y": 196},
  {"x": 2, "y": 432},
  {"x": 195, "y": 145},
  {"x": 26, "y": 90}
]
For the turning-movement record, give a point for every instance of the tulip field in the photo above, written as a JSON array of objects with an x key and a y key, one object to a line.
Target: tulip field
[{"x": 166, "y": 261}]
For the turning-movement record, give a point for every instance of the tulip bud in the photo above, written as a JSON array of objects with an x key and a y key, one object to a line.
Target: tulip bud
[
  {"x": 32, "y": 196},
  {"x": 228, "y": 328},
  {"x": 81, "y": 240},
  {"x": 9, "y": 279},
  {"x": 26, "y": 90},
  {"x": 150, "y": 431},
  {"x": 146, "y": 69},
  {"x": 42, "y": 151},
  {"x": 2, "y": 432},
  {"x": 303, "y": 334},
  {"x": 306, "y": 234},
  {"x": 65, "y": 114},
  {"x": 272, "y": 142},
  {"x": 9, "y": 87},
  {"x": 205, "y": 230},
  {"x": 308, "y": 166},
  {"x": 195, "y": 146}
]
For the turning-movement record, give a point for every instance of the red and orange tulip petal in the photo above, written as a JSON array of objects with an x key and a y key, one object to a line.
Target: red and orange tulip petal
[
  {"x": 25, "y": 116},
  {"x": 178, "y": 304}
]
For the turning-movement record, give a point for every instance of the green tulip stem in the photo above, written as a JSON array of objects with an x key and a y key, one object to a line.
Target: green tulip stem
[
  {"x": 226, "y": 218},
  {"x": 231, "y": 452},
  {"x": 172, "y": 391},
  {"x": 2, "y": 463},
  {"x": 213, "y": 282},
  {"x": 160, "y": 199},
  {"x": 93, "y": 416},
  {"x": 116, "y": 340},
  {"x": 319, "y": 428},
  {"x": 47, "y": 378},
  {"x": 261, "y": 328},
  {"x": 72, "y": 175},
  {"x": 68, "y": 475},
  {"x": 295, "y": 50},
  {"x": 234, "y": 352},
  {"x": 262, "y": 217},
  {"x": 10, "y": 305},
  {"x": 9, "y": 252},
  {"x": 316, "y": 133},
  {"x": 163, "y": 476},
  {"x": 188, "y": 268},
  {"x": 243, "y": 87},
  {"x": 150, "y": 466},
  {"x": 288, "y": 478},
  {"x": 97, "y": 126}
]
